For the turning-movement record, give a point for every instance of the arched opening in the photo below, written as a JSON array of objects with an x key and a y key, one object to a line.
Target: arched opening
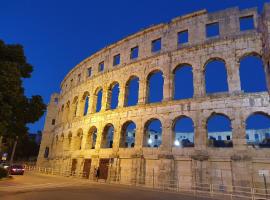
[
  {"x": 74, "y": 107},
  {"x": 215, "y": 76},
  {"x": 258, "y": 130},
  {"x": 153, "y": 133},
  {"x": 78, "y": 140},
  {"x": 183, "y": 132},
  {"x": 67, "y": 112},
  {"x": 155, "y": 87},
  {"x": 98, "y": 96},
  {"x": 69, "y": 139},
  {"x": 252, "y": 74},
  {"x": 219, "y": 131},
  {"x": 107, "y": 136},
  {"x": 183, "y": 82},
  {"x": 85, "y": 103},
  {"x": 113, "y": 95},
  {"x": 132, "y": 91},
  {"x": 128, "y": 133},
  {"x": 91, "y": 138}
]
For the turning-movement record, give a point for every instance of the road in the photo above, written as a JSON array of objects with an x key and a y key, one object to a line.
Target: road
[{"x": 33, "y": 186}]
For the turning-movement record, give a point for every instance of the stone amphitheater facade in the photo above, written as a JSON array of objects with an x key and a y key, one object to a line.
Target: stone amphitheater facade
[{"x": 65, "y": 137}]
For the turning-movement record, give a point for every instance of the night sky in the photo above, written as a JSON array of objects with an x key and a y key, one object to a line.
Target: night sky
[{"x": 57, "y": 35}]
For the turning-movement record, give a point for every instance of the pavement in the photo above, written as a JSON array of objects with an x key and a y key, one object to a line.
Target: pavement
[{"x": 34, "y": 186}]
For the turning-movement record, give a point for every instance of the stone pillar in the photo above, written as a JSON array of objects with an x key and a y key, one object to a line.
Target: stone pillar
[
  {"x": 99, "y": 137},
  {"x": 238, "y": 131},
  {"x": 167, "y": 90},
  {"x": 233, "y": 76},
  {"x": 200, "y": 132},
  {"x": 116, "y": 136},
  {"x": 105, "y": 100},
  {"x": 166, "y": 144},
  {"x": 198, "y": 81},
  {"x": 142, "y": 90},
  {"x": 139, "y": 135},
  {"x": 121, "y": 97}
]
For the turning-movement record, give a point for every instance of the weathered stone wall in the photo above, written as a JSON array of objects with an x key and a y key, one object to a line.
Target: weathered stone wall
[{"x": 237, "y": 165}]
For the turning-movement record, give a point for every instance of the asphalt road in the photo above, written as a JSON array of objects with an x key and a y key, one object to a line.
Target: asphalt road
[{"x": 33, "y": 186}]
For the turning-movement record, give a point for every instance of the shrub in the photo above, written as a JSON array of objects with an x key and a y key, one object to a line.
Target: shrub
[{"x": 3, "y": 172}]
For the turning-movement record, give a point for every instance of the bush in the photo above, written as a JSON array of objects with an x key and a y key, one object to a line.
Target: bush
[{"x": 3, "y": 172}]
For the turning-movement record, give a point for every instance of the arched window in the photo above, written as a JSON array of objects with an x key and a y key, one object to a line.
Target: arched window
[
  {"x": 113, "y": 95},
  {"x": 132, "y": 91},
  {"x": 69, "y": 140},
  {"x": 183, "y": 82},
  {"x": 215, "y": 76},
  {"x": 67, "y": 112},
  {"x": 258, "y": 129},
  {"x": 153, "y": 133},
  {"x": 183, "y": 132},
  {"x": 107, "y": 136},
  {"x": 98, "y": 100},
  {"x": 85, "y": 103},
  {"x": 155, "y": 87},
  {"x": 78, "y": 140},
  {"x": 219, "y": 125},
  {"x": 128, "y": 133},
  {"x": 252, "y": 75},
  {"x": 91, "y": 138},
  {"x": 74, "y": 107}
]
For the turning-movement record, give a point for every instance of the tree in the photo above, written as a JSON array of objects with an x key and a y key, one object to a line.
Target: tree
[{"x": 16, "y": 110}]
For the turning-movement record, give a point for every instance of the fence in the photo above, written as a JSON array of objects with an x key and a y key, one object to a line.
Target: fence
[{"x": 217, "y": 191}]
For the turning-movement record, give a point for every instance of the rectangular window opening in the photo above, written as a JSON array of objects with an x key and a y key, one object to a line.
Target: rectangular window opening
[
  {"x": 89, "y": 71},
  {"x": 212, "y": 30},
  {"x": 101, "y": 66},
  {"x": 183, "y": 37},
  {"x": 116, "y": 60},
  {"x": 134, "y": 52},
  {"x": 156, "y": 45},
  {"x": 246, "y": 23}
]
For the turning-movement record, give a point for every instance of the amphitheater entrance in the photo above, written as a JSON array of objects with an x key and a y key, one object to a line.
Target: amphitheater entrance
[
  {"x": 73, "y": 166},
  {"x": 104, "y": 168},
  {"x": 86, "y": 167}
]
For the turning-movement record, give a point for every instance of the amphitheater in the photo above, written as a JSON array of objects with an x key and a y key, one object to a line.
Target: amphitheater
[{"x": 84, "y": 131}]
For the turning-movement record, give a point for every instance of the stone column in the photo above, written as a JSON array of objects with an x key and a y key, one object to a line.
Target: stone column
[
  {"x": 142, "y": 90},
  {"x": 239, "y": 131},
  {"x": 105, "y": 100},
  {"x": 200, "y": 132},
  {"x": 233, "y": 76},
  {"x": 166, "y": 144},
  {"x": 167, "y": 90},
  {"x": 198, "y": 82},
  {"x": 139, "y": 135},
  {"x": 121, "y": 97}
]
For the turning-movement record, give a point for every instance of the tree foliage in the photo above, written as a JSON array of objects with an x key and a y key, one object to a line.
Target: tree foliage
[{"x": 16, "y": 110}]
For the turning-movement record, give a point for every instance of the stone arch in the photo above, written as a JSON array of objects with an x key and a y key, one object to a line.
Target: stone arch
[
  {"x": 78, "y": 140},
  {"x": 128, "y": 133},
  {"x": 98, "y": 99},
  {"x": 107, "y": 136},
  {"x": 66, "y": 112},
  {"x": 91, "y": 138},
  {"x": 258, "y": 129},
  {"x": 69, "y": 140},
  {"x": 252, "y": 73},
  {"x": 183, "y": 131},
  {"x": 85, "y": 103},
  {"x": 113, "y": 95},
  {"x": 75, "y": 103},
  {"x": 216, "y": 75},
  {"x": 152, "y": 133},
  {"x": 132, "y": 84},
  {"x": 183, "y": 81},
  {"x": 155, "y": 84},
  {"x": 219, "y": 130}
]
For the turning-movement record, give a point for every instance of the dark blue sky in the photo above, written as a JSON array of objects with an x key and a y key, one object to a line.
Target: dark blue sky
[{"x": 57, "y": 35}]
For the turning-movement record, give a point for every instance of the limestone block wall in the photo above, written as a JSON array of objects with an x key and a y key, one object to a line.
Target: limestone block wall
[{"x": 68, "y": 137}]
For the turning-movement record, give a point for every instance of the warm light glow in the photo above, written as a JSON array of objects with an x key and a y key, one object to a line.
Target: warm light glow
[
  {"x": 176, "y": 143},
  {"x": 149, "y": 141}
]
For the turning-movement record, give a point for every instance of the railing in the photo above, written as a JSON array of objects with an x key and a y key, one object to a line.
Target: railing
[{"x": 219, "y": 191}]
